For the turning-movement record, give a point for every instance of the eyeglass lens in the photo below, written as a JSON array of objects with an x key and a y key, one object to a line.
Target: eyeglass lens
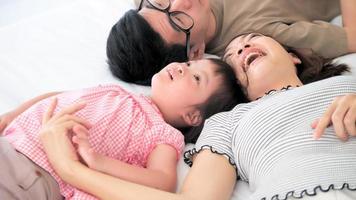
[{"x": 160, "y": 4}]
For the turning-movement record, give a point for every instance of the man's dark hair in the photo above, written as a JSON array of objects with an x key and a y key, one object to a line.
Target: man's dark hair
[{"x": 136, "y": 52}]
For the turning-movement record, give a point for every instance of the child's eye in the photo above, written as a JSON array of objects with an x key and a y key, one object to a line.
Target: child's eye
[
  {"x": 188, "y": 64},
  {"x": 197, "y": 78}
]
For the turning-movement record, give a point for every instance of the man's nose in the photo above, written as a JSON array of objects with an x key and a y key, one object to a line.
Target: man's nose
[{"x": 181, "y": 5}]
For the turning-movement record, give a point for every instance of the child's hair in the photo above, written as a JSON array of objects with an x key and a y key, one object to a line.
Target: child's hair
[{"x": 224, "y": 98}]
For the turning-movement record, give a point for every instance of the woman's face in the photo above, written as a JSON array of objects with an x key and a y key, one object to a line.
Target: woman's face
[{"x": 260, "y": 62}]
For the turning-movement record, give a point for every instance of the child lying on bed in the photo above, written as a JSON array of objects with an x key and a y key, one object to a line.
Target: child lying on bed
[{"x": 133, "y": 137}]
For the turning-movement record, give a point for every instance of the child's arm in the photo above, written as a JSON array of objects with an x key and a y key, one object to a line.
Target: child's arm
[
  {"x": 211, "y": 177},
  {"x": 160, "y": 172},
  {"x": 6, "y": 118},
  {"x": 348, "y": 11}
]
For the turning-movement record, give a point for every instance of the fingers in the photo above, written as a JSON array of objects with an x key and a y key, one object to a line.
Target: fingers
[
  {"x": 81, "y": 136},
  {"x": 324, "y": 121},
  {"x": 80, "y": 131},
  {"x": 337, "y": 119},
  {"x": 74, "y": 118},
  {"x": 49, "y": 112},
  {"x": 82, "y": 143},
  {"x": 65, "y": 115},
  {"x": 69, "y": 110},
  {"x": 342, "y": 114},
  {"x": 350, "y": 121},
  {"x": 84, "y": 149},
  {"x": 68, "y": 125},
  {"x": 315, "y": 123}
]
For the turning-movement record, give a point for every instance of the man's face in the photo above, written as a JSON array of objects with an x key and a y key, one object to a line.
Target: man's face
[{"x": 199, "y": 10}]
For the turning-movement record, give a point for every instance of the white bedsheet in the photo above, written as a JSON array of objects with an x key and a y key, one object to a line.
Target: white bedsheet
[
  {"x": 55, "y": 46},
  {"x": 48, "y": 45}
]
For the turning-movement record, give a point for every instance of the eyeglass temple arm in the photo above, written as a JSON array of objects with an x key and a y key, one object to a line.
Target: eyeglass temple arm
[
  {"x": 140, "y": 6},
  {"x": 187, "y": 44}
]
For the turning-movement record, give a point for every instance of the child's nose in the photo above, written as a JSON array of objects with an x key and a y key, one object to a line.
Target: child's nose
[{"x": 180, "y": 70}]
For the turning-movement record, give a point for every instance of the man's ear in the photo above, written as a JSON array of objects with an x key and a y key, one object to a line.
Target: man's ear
[
  {"x": 295, "y": 59},
  {"x": 197, "y": 51},
  {"x": 193, "y": 117}
]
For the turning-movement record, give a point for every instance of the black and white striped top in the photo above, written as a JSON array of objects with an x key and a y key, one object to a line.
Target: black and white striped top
[{"x": 270, "y": 142}]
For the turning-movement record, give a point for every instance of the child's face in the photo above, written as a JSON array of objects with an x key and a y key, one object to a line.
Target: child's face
[{"x": 182, "y": 85}]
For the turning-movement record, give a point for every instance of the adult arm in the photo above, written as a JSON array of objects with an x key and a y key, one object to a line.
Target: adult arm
[
  {"x": 211, "y": 177},
  {"x": 8, "y": 117},
  {"x": 342, "y": 115},
  {"x": 348, "y": 11},
  {"x": 205, "y": 181},
  {"x": 326, "y": 39}
]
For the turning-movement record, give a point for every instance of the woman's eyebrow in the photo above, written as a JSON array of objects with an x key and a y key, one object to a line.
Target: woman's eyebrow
[{"x": 227, "y": 50}]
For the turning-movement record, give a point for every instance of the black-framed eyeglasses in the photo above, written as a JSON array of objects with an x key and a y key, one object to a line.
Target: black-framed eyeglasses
[{"x": 179, "y": 20}]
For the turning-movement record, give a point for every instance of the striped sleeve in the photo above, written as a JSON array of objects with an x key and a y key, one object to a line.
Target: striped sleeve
[{"x": 216, "y": 136}]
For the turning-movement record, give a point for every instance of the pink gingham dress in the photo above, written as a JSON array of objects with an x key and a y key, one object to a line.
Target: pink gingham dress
[{"x": 125, "y": 126}]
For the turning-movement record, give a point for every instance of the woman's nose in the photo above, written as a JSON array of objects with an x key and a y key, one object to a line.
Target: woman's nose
[{"x": 245, "y": 46}]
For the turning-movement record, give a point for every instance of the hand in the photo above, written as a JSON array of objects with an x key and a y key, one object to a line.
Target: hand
[
  {"x": 342, "y": 115},
  {"x": 55, "y": 135},
  {"x": 86, "y": 152},
  {"x": 6, "y": 119}
]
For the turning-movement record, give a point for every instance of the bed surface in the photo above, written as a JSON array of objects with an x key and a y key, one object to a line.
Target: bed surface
[{"x": 55, "y": 46}]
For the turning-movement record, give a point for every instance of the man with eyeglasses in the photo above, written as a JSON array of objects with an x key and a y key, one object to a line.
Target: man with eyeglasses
[{"x": 162, "y": 31}]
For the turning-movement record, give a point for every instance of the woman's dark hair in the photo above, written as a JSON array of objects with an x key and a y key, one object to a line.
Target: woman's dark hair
[
  {"x": 225, "y": 98},
  {"x": 136, "y": 52},
  {"x": 314, "y": 67}
]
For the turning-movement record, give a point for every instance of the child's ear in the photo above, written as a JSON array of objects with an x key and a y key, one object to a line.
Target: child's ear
[
  {"x": 197, "y": 51},
  {"x": 193, "y": 118}
]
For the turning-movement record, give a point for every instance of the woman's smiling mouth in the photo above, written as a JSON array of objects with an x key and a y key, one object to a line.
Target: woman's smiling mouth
[{"x": 251, "y": 55}]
